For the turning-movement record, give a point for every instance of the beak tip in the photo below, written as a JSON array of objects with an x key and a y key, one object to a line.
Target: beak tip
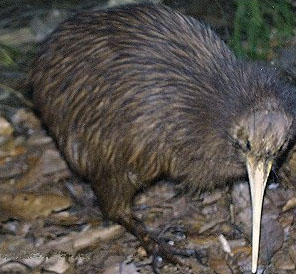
[{"x": 254, "y": 266}]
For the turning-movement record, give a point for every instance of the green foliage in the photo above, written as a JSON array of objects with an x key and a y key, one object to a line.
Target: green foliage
[
  {"x": 8, "y": 55},
  {"x": 260, "y": 25},
  {"x": 5, "y": 56}
]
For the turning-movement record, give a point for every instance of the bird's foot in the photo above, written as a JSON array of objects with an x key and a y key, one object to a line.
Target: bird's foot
[
  {"x": 162, "y": 251},
  {"x": 156, "y": 246}
]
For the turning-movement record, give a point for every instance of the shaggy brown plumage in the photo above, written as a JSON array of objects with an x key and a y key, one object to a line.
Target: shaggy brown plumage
[{"x": 137, "y": 93}]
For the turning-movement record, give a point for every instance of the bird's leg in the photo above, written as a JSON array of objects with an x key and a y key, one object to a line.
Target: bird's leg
[
  {"x": 116, "y": 205},
  {"x": 152, "y": 244}
]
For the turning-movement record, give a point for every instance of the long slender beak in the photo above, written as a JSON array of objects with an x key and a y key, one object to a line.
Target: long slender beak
[{"x": 258, "y": 172}]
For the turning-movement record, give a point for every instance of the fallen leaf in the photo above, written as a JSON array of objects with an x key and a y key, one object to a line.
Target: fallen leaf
[
  {"x": 282, "y": 261},
  {"x": 79, "y": 241},
  {"x": 122, "y": 268},
  {"x": 34, "y": 260},
  {"x": 211, "y": 197},
  {"x": 218, "y": 264},
  {"x": 290, "y": 204},
  {"x": 13, "y": 168},
  {"x": 6, "y": 130},
  {"x": 57, "y": 264},
  {"x": 30, "y": 205},
  {"x": 225, "y": 245},
  {"x": 242, "y": 249},
  {"x": 209, "y": 225},
  {"x": 26, "y": 121},
  {"x": 204, "y": 241},
  {"x": 292, "y": 252},
  {"x": 13, "y": 267},
  {"x": 48, "y": 164},
  {"x": 272, "y": 237}
]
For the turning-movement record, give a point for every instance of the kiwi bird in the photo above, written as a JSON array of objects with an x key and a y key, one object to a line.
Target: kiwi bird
[{"x": 138, "y": 93}]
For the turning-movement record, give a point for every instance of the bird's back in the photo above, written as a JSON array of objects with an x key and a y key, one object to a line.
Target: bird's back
[{"x": 142, "y": 86}]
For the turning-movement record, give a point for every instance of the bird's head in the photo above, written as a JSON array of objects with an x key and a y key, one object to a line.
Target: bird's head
[{"x": 260, "y": 137}]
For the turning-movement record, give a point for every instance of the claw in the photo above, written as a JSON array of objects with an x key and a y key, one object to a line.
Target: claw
[
  {"x": 155, "y": 246},
  {"x": 162, "y": 251},
  {"x": 156, "y": 264}
]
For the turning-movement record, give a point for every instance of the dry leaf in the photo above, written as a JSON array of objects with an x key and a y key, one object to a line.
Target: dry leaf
[
  {"x": 30, "y": 205},
  {"x": 49, "y": 163},
  {"x": 57, "y": 264},
  {"x": 204, "y": 241},
  {"x": 272, "y": 237},
  {"x": 290, "y": 204},
  {"x": 6, "y": 130},
  {"x": 14, "y": 267},
  {"x": 219, "y": 264},
  {"x": 121, "y": 268},
  {"x": 225, "y": 245},
  {"x": 283, "y": 261},
  {"x": 78, "y": 241},
  {"x": 292, "y": 252},
  {"x": 12, "y": 169}
]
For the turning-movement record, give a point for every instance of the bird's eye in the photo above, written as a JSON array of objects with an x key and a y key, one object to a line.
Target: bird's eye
[
  {"x": 248, "y": 145},
  {"x": 237, "y": 145}
]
